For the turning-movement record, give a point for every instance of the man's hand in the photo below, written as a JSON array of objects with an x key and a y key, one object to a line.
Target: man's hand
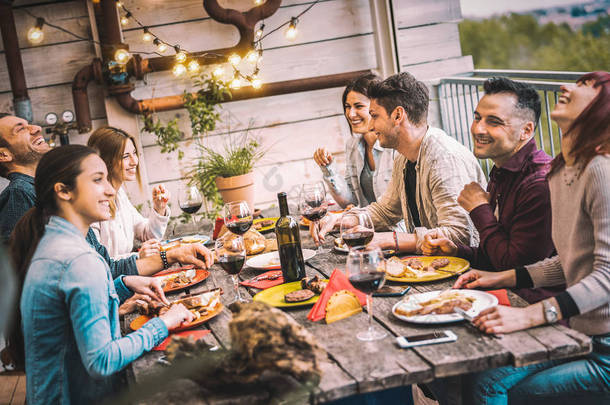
[
  {"x": 322, "y": 157},
  {"x": 176, "y": 315},
  {"x": 472, "y": 196},
  {"x": 150, "y": 286},
  {"x": 383, "y": 240},
  {"x": 149, "y": 248},
  {"x": 434, "y": 245},
  {"x": 322, "y": 227},
  {"x": 503, "y": 319},
  {"x": 193, "y": 253},
  {"x": 486, "y": 279}
]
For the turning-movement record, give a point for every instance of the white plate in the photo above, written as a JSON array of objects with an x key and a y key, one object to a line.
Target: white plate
[
  {"x": 204, "y": 238},
  {"x": 344, "y": 249},
  {"x": 271, "y": 260},
  {"x": 482, "y": 301}
]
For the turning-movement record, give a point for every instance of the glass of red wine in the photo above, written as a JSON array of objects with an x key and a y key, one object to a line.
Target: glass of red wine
[
  {"x": 231, "y": 254},
  {"x": 238, "y": 217},
  {"x": 356, "y": 227},
  {"x": 313, "y": 204},
  {"x": 365, "y": 268},
  {"x": 190, "y": 200}
]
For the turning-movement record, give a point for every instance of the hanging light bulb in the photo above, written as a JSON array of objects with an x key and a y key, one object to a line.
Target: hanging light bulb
[
  {"x": 180, "y": 55},
  {"x": 258, "y": 2},
  {"x": 35, "y": 34},
  {"x": 125, "y": 18},
  {"x": 179, "y": 69},
  {"x": 193, "y": 66},
  {"x": 121, "y": 56},
  {"x": 218, "y": 72},
  {"x": 119, "y": 4},
  {"x": 234, "y": 59},
  {"x": 147, "y": 36},
  {"x": 256, "y": 82},
  {"x": 161, "y": 47},
  {"x": 259, "y": 31},
  {"x": 252, "y": 56},
  {"x": 291, "y": 31},
  {"x": 235, "y": 83}
]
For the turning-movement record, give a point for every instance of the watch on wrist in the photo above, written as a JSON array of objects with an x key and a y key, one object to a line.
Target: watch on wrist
[{"x": 550, "y": 312}]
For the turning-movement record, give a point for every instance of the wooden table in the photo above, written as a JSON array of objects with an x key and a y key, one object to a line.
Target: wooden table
[{"x": 359, "y": 367}]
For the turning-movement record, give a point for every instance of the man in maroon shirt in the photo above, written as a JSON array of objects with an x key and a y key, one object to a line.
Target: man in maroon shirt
[{"x": 513, "y": 217}]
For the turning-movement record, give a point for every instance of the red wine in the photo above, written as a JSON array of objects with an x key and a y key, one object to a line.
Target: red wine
[
  {"x": 232, "y": 264},
  {"x": 314, "y": 203},
  {"x": 315, "y": 214},
  {"x": 289, "y": 243},
  {"x": 367, "y": 282},
  {"x": 191, "y": 208},
  {"x": 353, "y": 239},
  {"x": 239, "y": 227}
]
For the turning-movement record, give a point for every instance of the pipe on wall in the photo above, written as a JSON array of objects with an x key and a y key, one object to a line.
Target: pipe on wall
[
  {"x": 21, "y": 99},
  {"x": 80, "y": 96}
]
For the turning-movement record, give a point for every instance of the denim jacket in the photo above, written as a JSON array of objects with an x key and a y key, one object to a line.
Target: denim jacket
[{"x": 70, "y": 315}]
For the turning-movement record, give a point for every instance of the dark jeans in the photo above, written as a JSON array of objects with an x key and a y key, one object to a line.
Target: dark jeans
[{"x": 393, "y": 396}]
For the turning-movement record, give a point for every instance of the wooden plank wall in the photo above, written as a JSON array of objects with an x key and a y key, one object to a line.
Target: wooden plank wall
[{"x": 335, "y": 36}]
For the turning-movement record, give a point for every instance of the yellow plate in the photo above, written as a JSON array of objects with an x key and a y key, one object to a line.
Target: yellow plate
[
  {"x": 456, "y": 265},
  {"x": 274, "y": 296},
  {"x": 264, "y": 228}
]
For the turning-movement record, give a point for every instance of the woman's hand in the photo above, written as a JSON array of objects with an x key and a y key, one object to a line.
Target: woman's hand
[
  {"x": 150, "y": 286},
  {"x": 134, "y": 303},
  {"x": 149, "y": 248},
  {"x": 486, "y": 279},
  {"x": 193, "y": 253},
  {"x": 435, "y": 246},
  {"x": 322, "y": 227},
  {"x": 176, "y": 315},
  {"x": 322, "y": 157},
  {"x": 160, "y": 196},
  {"x": 503, "y": 319}
]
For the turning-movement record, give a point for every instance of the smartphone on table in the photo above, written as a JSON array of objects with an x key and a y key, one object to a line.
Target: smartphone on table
[{"x": 428, "y": 338}]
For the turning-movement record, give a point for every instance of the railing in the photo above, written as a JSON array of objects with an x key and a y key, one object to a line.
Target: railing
[{"x": 459, "y": 96}]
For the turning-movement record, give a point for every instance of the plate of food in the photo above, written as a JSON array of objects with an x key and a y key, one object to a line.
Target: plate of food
[
  {"x": 264, "y": 224},
  {"x": 271, "y": 260},
  {"x": 295, "y": 294},
  {"x": 419, "y": 269},
  {"x": 204, "y": 306},
  {"x": 184, "y": 240},
  {"x": 182, "y": 278},
  {"x": 439, "y": 306}
]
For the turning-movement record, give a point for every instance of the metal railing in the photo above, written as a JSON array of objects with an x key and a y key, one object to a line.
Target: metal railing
[{"x": 459, "y": 96}]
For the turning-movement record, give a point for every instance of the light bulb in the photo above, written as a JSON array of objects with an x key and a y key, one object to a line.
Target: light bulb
[
  {"x": 180, "y": 56},
  {"x": 252, "y": 56},
  {"x": 219, "y": 71},
  {"x": 258, "y": 2},
  {"x": 119, "y": 4},
  {"x": 291, "y": 31},
  {"x": 121, "y": 56},
  {"x": 147, "y": 36},
  {"x": 256, "y": 83},
  {"x": 35, "y": 35},
  {"x": 161, "y": 47},
  {"x": 178, "y": 69},
  {"x": 124, "y": 20},
  {"x": 260, "y": 56},
  {"x": 235, "y": 83},
  {"x": 259, "y": 31},
  {"x": 234, "y": 59},
  {"x": 193, "y": 66}
]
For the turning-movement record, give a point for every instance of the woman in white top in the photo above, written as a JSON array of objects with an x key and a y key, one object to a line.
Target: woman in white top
[
  {"x": 368, "y": 166},
  {"x": 118, "y": 150}
]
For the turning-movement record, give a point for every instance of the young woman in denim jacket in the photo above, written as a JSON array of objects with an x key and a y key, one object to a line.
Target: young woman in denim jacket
[
  {"x": 368, "y": 166},
  {"x": 69, "y": 301}
]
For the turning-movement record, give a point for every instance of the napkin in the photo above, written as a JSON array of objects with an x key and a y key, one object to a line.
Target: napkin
[
  {"x": 502, "y": 296},
  {"x": 195, "y": 334},
  {"x": 263, "y": 284},
  {"x": 338, "y": 281}
]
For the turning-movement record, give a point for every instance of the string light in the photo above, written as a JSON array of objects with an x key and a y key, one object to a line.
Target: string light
[
  {"x": 256, "y": 82},
  {"x": 147, "y": 36},
  {"x": 252, "y": 56},
  {"x": 125, "y": 18},
  {"x": 235, "y": 83},
  {"x": 35, "y": 34},
  {"x": 121, "y": 56},
  {"x": 193, "y": 66},
  {"x": 119, "y": 4},
  {"x": 258, "y": 2},
  {"x": 178, "y": 69},
  {"x": 234, "y": 59},
  {"x": 180, "y": 55},
  {"x": 161, "y": 47},
  {"x": 218, "y": 72},
  {"x": 291, "y": 31},
  {"x": 259, "y": 31}
]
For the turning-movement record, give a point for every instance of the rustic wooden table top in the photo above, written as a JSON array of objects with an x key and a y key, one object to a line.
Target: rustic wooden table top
[{"x": 358, "y": 367}]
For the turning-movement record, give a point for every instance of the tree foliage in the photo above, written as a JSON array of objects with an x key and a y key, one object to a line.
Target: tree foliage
[{"x": 519, "y": 42}]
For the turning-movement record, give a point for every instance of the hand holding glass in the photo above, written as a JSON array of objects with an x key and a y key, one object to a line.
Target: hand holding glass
[
  {"x": 313, "y": 204},
  {"x": 356, "y": 227},
  {"x": 231, "y": 254}
]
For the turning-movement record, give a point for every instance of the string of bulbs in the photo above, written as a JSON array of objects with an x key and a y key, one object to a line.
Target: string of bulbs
[{"x": 183, "y": 64}]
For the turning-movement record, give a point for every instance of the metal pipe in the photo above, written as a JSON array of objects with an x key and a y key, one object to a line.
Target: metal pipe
[
  {"x": 123, "y": 95},
  {"x": 79, "y": 93},
  {"x": 14, "y": 64}
]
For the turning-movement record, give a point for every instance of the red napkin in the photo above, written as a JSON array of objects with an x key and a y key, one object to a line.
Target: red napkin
[
  {"x": 502, "y": 296},
  {"x": 338, "y": 281},
  {"x": 263, "y": 284},
  {"x": 196, "y": 334}
]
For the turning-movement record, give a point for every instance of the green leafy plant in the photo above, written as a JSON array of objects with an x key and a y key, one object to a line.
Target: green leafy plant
[
  {"x": 202, "y": 105},
  {"x": 168, "y": 136}
]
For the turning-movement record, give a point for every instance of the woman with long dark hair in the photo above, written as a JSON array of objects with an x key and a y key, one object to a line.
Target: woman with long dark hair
[
  {"x": 69, "y": 301},
  {"x": 579, "y": 183}
]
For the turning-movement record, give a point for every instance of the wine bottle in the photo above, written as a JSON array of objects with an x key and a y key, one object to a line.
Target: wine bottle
[{"x": 289, "y": 243}]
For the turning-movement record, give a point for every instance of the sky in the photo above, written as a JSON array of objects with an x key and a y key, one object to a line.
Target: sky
[{"x": 486, "y": 8}]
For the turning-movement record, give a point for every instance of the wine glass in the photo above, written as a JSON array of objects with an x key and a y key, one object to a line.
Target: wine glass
[
  {"x": 356, "y": 227},
  {"x": 313, "y": 204},
  {"x": 231, "y": 254},
  {"x": 238, "y": 217},
  {"x": 366, "y": 271},
  {"x": 190, "y": 200}
]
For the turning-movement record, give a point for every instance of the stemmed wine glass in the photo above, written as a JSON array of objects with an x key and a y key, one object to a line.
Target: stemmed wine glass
[
  {"x": 356, "y": 227},
  {"x": 190, "y": 200},
  {"x": 238, "y": 217},
  {"x": 231, "y": 254},
  {"x": 366, "y": 271},
  {"x": 313, "y": 204}
]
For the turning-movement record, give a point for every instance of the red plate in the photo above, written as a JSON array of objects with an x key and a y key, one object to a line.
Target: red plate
[
  {"x": 200, "y": 275},
  {"x": 142, "y": 319}
]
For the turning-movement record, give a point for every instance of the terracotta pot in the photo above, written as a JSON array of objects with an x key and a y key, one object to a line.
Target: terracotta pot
[{"x": 237, "y": 188}]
